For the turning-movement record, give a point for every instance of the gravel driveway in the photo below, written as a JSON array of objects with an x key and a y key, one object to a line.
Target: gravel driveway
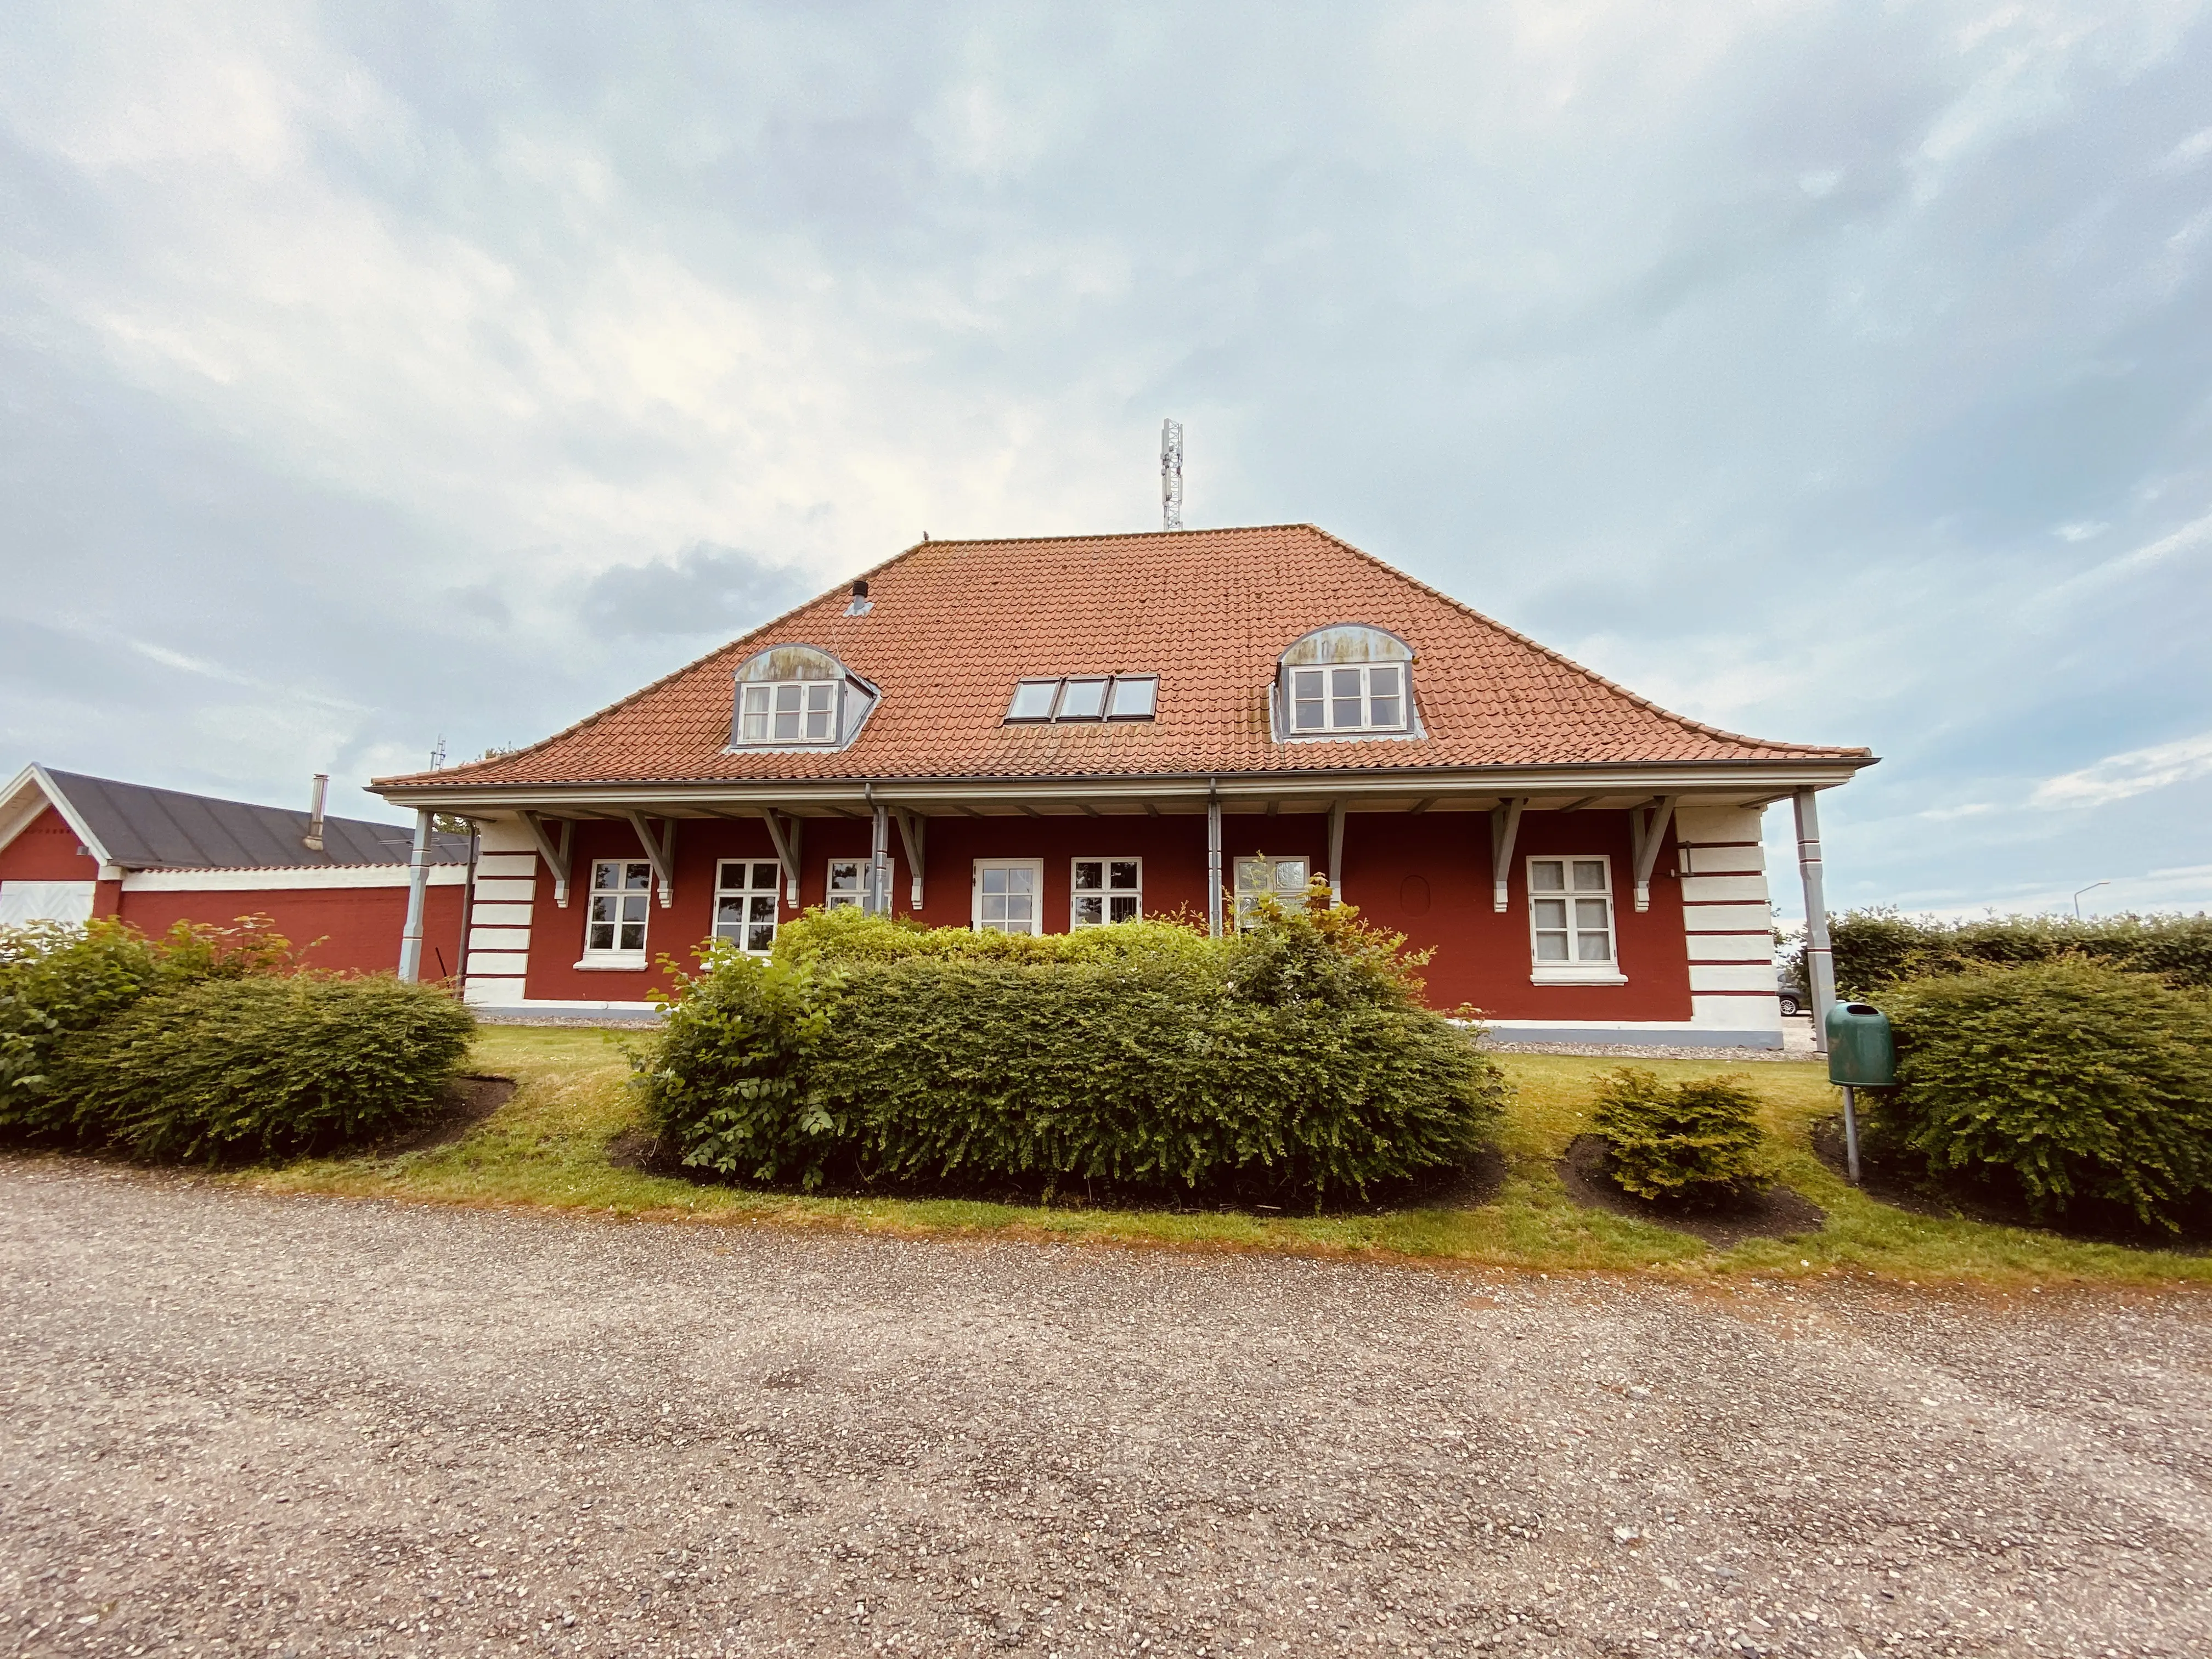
[{"x": 238, "y": 1424}]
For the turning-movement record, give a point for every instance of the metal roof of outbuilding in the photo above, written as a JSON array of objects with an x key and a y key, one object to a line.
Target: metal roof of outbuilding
[{"x": 142, "y": 828}]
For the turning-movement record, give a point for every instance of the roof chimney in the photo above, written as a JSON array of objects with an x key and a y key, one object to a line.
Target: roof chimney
[
  {"x": 313, "y": 841},
  {"x": 861, "y": 604}
]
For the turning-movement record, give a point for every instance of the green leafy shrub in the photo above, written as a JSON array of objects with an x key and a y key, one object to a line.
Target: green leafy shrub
[
  {"x": 1290, "y": 1059},
  {"x": 57, "y": 981},
  {"x": 1695, "y": 1143},
  {"x": 723, "y": 1079},
  {"x": 225, "y": 1068},
  {"x": 1879, "y": 948},
  {"x": 2071, "y": 1080}
]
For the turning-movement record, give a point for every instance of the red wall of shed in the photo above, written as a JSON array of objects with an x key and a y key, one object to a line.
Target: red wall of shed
[
  {"x": 344, "y": 929},
  {"x": 47, "y": 850}
]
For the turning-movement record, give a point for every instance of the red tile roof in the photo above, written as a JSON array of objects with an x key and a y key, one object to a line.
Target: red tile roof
[{"x": 954, "y": 624}]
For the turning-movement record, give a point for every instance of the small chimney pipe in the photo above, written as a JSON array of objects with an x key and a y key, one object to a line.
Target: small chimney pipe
[{"x": 313, "y": 839}]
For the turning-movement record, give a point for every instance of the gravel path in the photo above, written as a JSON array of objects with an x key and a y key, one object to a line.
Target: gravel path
[{"x": 237, "y": 1425}]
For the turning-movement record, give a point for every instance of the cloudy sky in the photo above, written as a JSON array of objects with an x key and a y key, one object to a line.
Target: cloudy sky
[{"x": 1842, "y": 372}]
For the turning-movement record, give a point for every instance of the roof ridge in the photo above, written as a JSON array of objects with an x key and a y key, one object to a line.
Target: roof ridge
[{"x": 1572, "y": 666}]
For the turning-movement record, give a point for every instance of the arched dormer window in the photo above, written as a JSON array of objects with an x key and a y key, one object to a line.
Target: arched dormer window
[
  {"x": 794, "y": 696},
  {"x": 1345, "y": 681}
]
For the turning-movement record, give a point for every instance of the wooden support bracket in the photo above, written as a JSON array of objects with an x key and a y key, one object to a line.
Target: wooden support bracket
[
  {"x": 785, "y": 837},
  {"x": 556, "y": 857},
  {"x": 914, "y": 832},
  {"x": 661, "y": 854},
  {"x": 1504, "y": 829},
  {"x": 1647, "y": 827}
]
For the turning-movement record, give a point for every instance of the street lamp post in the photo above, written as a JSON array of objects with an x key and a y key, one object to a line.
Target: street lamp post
[{"x": 2091, "y": 887}]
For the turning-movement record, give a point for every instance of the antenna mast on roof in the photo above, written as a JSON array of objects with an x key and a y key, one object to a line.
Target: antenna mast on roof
[{"x": 1170, "y": 475}]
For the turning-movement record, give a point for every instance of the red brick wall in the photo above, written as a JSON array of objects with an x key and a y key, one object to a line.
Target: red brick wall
[{"x": 1427, "y": 876}]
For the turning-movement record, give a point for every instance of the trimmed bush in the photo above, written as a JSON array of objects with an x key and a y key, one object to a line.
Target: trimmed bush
[
  {"x": 57, "y": 981},
  {"x": 1876, "y": 949},
  {"x": 250, "y": 1067},
  {"x": 1694, "y": 1144},
  {"x": 2070, "y": 1081},
  {"x": 1289, "y": 1060}
]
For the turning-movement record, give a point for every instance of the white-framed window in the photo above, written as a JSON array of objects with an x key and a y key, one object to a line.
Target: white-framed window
[
  {"x": 846, "y": 887},
  {"x": 1570, "y": 936},
  {"x": 1283, "y": 880},
  {"x": 1009, "y": 894},
  {"x": 745, "y": 902},
  {"x": 788, "y": 711},
  {"x": 614, "y": 919},
  {"x": 1102, "y": 890},
  {"x": 1358, "y": 696}
]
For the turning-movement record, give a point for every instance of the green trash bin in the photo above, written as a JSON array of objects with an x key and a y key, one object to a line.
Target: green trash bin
[{"x": 1862, "y": 1053}]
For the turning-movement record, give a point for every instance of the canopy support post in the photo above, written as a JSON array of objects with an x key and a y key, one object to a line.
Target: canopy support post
[
  {"x": 1213, "y": 863},
  {"x": 1819, "y": 960},
  {"x": 418, "y": 882}
]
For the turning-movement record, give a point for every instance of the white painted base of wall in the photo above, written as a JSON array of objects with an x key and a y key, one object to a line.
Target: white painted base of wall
[
  {"x": 523, "y": 1012},
  {"x": 1669, "y": 1034}
]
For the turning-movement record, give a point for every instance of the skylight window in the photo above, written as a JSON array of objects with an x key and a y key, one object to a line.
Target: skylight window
[
  {"x": 1033, "y": 700},
  {"x": 1081, "y": 700},
  {"x": 1085, "y": 697},
  {"x": 1133, "y": 698}
]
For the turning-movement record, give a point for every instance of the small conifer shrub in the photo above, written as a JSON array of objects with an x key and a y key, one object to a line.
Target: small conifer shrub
[{"x": 1694, "y": 1144}]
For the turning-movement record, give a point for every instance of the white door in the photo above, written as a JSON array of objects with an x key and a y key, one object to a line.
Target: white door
[
  {"x": 1006, "y": 896},
  {"x": 45, "y": 901}
]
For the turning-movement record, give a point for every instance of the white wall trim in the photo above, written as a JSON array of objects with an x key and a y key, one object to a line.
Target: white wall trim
[{"x": 322, "y": 877}]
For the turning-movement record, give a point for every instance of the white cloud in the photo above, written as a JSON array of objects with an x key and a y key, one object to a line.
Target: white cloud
[{"x": 2137, "y": 772}]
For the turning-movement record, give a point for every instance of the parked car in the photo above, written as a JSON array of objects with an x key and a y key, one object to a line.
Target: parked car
[{"x": 1794, "y": 998}]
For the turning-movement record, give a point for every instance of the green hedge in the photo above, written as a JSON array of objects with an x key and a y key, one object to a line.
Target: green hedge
[
  {"x": 208, "y": 1042},
  {"x": 1292, "y": 1060},
  {"x": 254, "y": 1067},
  {"x": 1878, "y": 948},
  {"x": 1695, "y": 1144},
  {"x": 2069, "y": 1081},
  {"x": 57, "y": 981}
]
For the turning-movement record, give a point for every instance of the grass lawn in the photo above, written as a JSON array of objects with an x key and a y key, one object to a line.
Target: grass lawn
[{"x": 547, "y": 1149}]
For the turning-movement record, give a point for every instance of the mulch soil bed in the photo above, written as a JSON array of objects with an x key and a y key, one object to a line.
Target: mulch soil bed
[
  {"x": 1777, "y": 1212},
  {"x": 1918, "y": 1193},
  {"x": 470, "y": 1100}
]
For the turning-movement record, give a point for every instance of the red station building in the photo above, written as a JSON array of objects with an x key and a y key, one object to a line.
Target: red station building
[{"x": 1048, "y": 733}]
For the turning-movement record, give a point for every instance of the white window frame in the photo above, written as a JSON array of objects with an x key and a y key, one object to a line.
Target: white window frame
[
  {"x": 1108, "y": 893},
  {"x": 835, "y": 897},
  {"x": 1367, "y": 723},
  {"x": 1576, "y": 971},
  {"x": 773, "y": 892},
  {"x": 771, "y": 690},
  {"x": 1244, "y": 899},
  {"x": 614, "y": 957},
  {"x": 1035, "y": 866}
]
